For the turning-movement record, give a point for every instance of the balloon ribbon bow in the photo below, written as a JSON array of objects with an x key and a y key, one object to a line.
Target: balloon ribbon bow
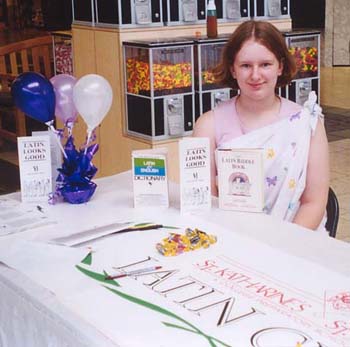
[{"x": 74, "y": 180}]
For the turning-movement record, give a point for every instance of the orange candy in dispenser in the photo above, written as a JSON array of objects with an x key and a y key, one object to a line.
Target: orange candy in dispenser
[{"x": 165, "y": 76}]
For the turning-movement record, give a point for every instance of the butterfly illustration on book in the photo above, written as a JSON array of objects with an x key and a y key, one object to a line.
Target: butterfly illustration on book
[
  {"x": 294, "y": 116},
  {"x": 271, "y": 181}
]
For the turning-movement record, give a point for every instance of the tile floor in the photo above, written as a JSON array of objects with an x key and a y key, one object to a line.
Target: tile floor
[
  {"x": 335, "y": 101},
  {"x": 340, "y": 183}
]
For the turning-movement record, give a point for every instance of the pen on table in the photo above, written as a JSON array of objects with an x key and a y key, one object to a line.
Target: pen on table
[
  {"x": 145, "y": 226},
  {"x": 134, "y": 272}
]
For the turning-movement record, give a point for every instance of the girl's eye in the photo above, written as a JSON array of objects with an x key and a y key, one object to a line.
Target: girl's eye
[
  {"x": 245, "y": 65},
  {"x": 266, "y": 64}
]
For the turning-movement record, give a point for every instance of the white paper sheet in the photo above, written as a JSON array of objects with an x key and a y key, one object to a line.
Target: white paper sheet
[
  {"x": 91, "y": 234},
  {"x": 17, "y": 217}
]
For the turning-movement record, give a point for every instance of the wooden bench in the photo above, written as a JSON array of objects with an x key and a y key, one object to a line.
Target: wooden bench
[{"x": 35, "y": 54}]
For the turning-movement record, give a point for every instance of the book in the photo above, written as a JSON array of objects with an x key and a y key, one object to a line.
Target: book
[
  {"x": 195, "y": 187},
  {"x": 150, "y": 178},
  {"x": 241, "y": 179},
  {"x": 34, "y": 156}
]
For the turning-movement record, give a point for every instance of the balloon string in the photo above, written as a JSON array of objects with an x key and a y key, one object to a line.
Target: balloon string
[
  {"x": 52, "y": 128},
  {"x": 87, "y": 142},
  {"x": 69, "y": 126}
]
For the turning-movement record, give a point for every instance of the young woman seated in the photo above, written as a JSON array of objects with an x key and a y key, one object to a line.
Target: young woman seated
[{"x": 255, "y": 62}]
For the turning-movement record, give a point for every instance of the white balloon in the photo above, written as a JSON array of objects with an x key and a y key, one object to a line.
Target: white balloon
[{"x": 92, "y": 96}]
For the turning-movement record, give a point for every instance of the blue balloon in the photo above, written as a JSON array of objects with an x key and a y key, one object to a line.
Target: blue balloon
[{"x": 33, "y": 94}]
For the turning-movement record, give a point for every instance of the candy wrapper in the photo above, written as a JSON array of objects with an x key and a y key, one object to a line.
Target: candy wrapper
[
  {"x": 176, "y": 244},
  {"x": 73, "y": 183}
]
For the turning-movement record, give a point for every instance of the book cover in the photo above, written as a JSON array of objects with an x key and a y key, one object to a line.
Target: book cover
[
  {"x": 195, "y": 188},
  {"x": 241, "y": 179},
  {"x": 150, "y": 178},
  {"x": 34, "y": 154}
]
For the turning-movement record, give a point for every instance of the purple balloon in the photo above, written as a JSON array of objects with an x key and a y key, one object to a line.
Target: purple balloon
[{"x": 65, "y": 109}]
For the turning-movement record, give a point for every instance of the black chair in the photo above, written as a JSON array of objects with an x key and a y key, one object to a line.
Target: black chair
[{"x": 332, "y": 213}]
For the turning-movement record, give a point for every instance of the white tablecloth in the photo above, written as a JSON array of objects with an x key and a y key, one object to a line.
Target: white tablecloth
[{"x": 33, "y": 314}]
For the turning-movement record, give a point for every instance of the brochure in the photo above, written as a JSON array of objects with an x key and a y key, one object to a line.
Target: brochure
[
  {"x": 34, "y": 154},
  {"x": 17, "y": 217},
  {"x": 195, "y": 188}
]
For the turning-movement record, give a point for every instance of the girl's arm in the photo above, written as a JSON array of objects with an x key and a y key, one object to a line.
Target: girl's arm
[
  {"x": 205, "y": 127},
  {"x": 315, "y": 196}
]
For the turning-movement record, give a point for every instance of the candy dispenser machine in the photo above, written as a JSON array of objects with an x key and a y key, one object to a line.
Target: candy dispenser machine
[
  {"x": 270, "y": 9},
  {"x": 207, "y": 55},
  {"x": 177, "y": 12},
  {"x": 63, "y": 55},
  {"x": 159, "y": 88},
  {"x": 305, "y": 47},
  {"x": 232, "y": 10},
  {"x": 128, "y": 13}
]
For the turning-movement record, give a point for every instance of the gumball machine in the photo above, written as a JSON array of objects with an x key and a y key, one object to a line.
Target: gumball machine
[
  {"x": 117, "y": 13},
  {"x": 269, "y": 9},
  {"x": 159, "y": 88},
  {"x": 304, "y": 45},
  {"x": 232, "y": 10},
  {"x": 181, "y": 12},
  {"x": 207, "y": 55},
  {"x": 128, "y": 13},
  {"x": 63, "y": 52}
]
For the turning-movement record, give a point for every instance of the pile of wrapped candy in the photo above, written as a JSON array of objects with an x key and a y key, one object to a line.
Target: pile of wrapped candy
[
  {"x": 176, "y": 244},
  {"x": 165, "y": 76},
  {"x": 306, "y": 59}
]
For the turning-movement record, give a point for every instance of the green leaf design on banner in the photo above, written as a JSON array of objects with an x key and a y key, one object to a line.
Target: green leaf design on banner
[
  {"x": 88, "y": 259},
  {"x": 161, "y": 310},
  {"x": 97, "y": 276},
  {"x": 188, "y": 326}
]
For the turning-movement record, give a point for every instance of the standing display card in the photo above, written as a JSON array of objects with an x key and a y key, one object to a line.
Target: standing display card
[
  {"x": 195, "y": 187},
  {"x": 150, "y": 181},
  {"x": 56, "y": 154},
  {"x": 241, "y": 179},
  {"x": 34, "y": 155}
]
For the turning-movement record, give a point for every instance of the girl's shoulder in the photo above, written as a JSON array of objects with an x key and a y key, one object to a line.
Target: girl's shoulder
[
  {"x": 226, "y": 122},
  {"x": 289, "y": 108},
  {"x": 225, "y": 109}
]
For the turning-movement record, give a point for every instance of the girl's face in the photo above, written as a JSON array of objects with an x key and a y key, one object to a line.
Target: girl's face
[{"x": 256, "y": 70}]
